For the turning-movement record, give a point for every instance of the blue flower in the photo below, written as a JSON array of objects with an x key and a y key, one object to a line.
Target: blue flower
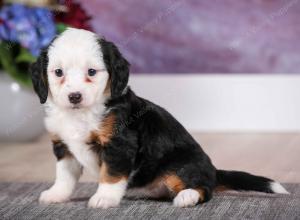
[{"x": 33, "y": 28}]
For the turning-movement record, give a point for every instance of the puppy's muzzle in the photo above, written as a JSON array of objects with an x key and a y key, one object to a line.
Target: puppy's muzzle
[{"x": 75, "y": 97}]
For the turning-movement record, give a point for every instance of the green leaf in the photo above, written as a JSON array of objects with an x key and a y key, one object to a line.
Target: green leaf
[
  {"x": 60, "y": 27},
  {"x": 10, "y": 67},
  {"x": 25, "y": 56}
]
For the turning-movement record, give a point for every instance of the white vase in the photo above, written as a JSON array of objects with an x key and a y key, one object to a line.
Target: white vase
[{"x": 21, "y": 114}]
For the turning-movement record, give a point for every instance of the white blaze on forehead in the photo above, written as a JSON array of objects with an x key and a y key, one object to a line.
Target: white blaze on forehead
[{"x": 75, "y": 47}]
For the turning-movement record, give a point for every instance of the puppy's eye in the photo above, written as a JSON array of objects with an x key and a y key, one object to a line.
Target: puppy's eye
[
  {"x": 59, "y": 73},
  {"x": 92, "y": 72}
]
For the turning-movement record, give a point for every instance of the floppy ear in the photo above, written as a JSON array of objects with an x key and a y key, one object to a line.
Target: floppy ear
[
  {"x": 38, "y": 72},
  {"x": 117, "y": 67}
]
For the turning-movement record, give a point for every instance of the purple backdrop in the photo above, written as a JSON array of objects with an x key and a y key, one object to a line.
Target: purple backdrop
[{"x": 183, "y": 36}]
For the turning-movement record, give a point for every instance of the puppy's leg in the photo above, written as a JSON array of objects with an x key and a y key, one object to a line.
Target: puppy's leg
[
  {"x": 68, "y": 171},
  {"x": 111, "y": 189},
  {"x": 185, "y": 197}
]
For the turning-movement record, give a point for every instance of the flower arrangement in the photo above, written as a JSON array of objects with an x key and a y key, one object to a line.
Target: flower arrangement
[{"x": 27, "y": 26}]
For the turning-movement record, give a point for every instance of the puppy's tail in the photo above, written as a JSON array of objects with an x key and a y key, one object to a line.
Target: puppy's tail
[{"x": 237, "y": 180}]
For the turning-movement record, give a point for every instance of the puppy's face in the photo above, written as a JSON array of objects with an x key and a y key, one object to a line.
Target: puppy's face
[
  {"x": 77, "y": 75},
  {"x": 78, "y": 70}
]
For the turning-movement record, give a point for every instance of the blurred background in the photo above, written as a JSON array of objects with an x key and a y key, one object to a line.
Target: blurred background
[
  {"x": 191, "y": 36},
  {"x": 227, "y": 70}
]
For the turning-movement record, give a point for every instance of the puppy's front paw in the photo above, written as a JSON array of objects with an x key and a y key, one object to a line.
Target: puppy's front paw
[
  {"x": 53, "y": 195},
  {"x": 103, "y": 201}
]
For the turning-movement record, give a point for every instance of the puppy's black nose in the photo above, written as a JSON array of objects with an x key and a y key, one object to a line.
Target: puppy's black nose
[{"x": 75, "y": 97}]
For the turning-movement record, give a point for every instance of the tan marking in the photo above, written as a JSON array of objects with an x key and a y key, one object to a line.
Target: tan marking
[
  {"x": 106, "y": 177},
  {"x": 107, "y": 129},
  {"x": 54, "y": 137},
  {"x": 201, "y": 194},
  {"x": 68, "y": 154},
  {"x": 174, "y": 183},
  {"x": 95, "y": 145},
  {"x": 221, "y": 189},
  {"x": 93, "y": 138},
  {"x": 155, "y": 183},
  {"x": 107, "y": 88},
  {"x": 56, "y": 140}
]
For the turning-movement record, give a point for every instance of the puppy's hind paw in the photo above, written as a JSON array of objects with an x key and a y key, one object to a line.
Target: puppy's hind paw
[{"x": 186, "y": 198}]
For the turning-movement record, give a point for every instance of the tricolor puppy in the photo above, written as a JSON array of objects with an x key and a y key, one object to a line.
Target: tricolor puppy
[{"x": 130, "y": 145}]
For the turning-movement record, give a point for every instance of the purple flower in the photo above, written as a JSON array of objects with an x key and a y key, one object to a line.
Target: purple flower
[{"x": 33, "y": 28}]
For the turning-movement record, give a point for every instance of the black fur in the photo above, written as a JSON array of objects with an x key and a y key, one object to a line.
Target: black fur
[
  {"x": 60, "y": 150},
  {"x": 116, "y": 65},
  {"x": 243, "y": 181},
  {"x": 152, "y": 143},
  {"x": 38, "y": 71},
  {"x": 97, "y": 148}
]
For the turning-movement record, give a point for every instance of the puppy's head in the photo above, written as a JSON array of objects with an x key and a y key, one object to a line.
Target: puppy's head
[{"x": 78, "y": 69}]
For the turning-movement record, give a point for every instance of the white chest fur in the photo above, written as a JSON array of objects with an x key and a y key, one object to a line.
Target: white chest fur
[{"x": 73, "y": 127}]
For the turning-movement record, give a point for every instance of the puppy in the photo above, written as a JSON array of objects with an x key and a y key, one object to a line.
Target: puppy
[{"x": 130, "y": 145}]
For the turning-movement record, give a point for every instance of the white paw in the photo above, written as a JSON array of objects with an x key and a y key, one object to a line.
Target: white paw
[
  {"x": 53, "y": 195},
  {"x": 103, "y": 201},
  {"x": 187, "y": 197}
]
